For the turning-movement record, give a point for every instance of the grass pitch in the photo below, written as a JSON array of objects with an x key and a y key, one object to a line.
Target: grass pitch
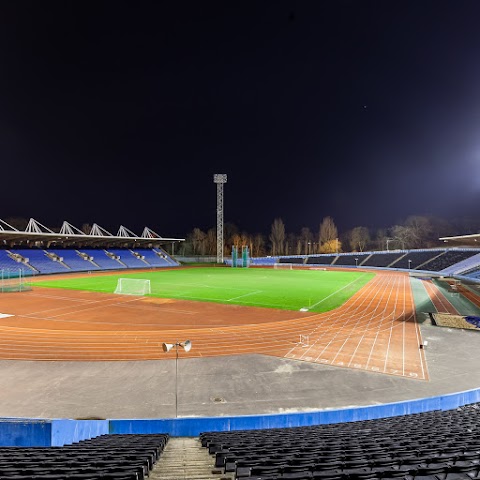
[{"x": 315, "y": 290}]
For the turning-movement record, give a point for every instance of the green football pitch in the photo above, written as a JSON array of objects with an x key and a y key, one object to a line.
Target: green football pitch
[{"x": 315, "y": 290}]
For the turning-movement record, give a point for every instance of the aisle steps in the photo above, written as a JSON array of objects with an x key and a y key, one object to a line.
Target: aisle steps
[{"x": 184, "y": 458}]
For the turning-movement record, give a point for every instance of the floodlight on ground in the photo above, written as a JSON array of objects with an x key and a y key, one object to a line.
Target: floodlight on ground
[{"x": 187, "y": 346}]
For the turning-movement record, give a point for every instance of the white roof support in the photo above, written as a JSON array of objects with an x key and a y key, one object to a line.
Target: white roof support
[
  {"x": 99, "y": 231},
  {"x": 125, "y": 232},
  {"x": 36, "y": 227},
  {"x": 148, "y": 233},
  {"x": 9, "y": 227},
  {"x": 69, "y": 229}
]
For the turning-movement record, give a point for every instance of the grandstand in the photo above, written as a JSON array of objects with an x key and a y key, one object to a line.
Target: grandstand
[{"x": 432, "y": 260}]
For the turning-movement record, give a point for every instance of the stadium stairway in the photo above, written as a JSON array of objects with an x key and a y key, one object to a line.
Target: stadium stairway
[{"x": 184, "y": 458}]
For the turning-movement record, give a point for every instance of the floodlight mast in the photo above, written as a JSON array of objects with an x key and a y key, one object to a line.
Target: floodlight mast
[{"x": 220, "y": 179}]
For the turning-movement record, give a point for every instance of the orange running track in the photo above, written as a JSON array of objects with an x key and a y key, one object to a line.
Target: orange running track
[{"x": 375, "y": 330}]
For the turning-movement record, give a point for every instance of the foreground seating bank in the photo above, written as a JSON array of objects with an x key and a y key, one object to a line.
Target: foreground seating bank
[
  {"x": 438, "y": 445},
  {"x": 107, "y": 457}
]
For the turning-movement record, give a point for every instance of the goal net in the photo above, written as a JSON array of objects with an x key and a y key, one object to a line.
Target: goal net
[
  {"x": 133, "y": 286},
  {"x": 14, "y": 280},
  {"x": 282, "y": 266}
]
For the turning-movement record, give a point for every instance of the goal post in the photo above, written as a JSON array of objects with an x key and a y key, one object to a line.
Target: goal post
[
  {"x": 14, "y": 280},
  {"x": 283, "y": 266},
  {"x": 133, "y": 286}
]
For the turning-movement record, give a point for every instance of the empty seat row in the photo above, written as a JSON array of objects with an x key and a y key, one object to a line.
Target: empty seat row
[
  {"x": 119, "y": 457},
  {"x": 444, "y": 444}
]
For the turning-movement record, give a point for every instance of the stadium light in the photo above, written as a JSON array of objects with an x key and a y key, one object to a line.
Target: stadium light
[
  {"x": 187, "y": 346},
  {"x": 220, "y": 179}
]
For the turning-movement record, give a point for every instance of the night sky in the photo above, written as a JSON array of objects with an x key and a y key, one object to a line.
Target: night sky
[{"x": 120, "y": 113}]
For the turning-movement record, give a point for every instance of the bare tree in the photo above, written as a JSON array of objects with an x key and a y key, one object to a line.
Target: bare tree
[
  {"x": 381, "y": 239},
  {"x": 359, "y": 238},
  {"x": 198, "y": 241},
  {"x": 331, "y": 246},
  {"x": 211, "y": 241},
  {"x": 440, "y": 228},
  {"x": 421, "y": 229},
  {"x": 229, "y": 230},
  {"x": 403, "y": 236},
  {"x": 306, "y": 237},
  {"x": 277, "y": 237},
  {"x": 258, "y": 245},
  {"x": 290, "y": 244},
  {"x": 299, "y": 246},
  {"x": 236, "y": 240},
  {"x": 328, "y": 231}
]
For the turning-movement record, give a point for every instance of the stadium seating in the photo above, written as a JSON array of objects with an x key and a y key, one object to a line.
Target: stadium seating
[
  {"x": 320, "y": 259},
  {"x": 8, "y": 263},
  {"x": 350, "y": 259},
  {"x": 262, "y": 261},
  {"x": 417, "y": 258},
  {"x": 101, "y": 259},
  {"x": 115, "y": 457},
  {"x": 382, "y": 259},
  {"x": 128, "y": 258},
  {"x": 157, "y": 258},
  {"x": 41, "y": 262},
  {"x": 447, "y": 259},
  {"x": 437, "y": 445},
  {"x": 463, "y": 267},
  {"x": 293, "y": 260},
  {"x": 73, "y": 259}
]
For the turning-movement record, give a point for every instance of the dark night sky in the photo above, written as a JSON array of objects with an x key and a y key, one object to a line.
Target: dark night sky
[{"x": 121, "y": 112}]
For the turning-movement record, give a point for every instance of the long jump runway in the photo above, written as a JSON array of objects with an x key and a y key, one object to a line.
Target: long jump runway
[{"x": 375, "y": 330}]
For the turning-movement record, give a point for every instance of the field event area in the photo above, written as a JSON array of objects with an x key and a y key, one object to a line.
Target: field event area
[{"x": 314, "y": 290}]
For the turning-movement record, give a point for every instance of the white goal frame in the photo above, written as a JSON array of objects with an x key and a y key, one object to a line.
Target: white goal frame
[
  {"x": 283, "y": 266},
  {"x": 133, "y": 286}
]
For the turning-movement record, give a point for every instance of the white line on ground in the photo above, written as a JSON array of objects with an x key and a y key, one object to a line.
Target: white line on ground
[
  {"x": 246, "y": 295},
  {"x": 335, "y": 292}
]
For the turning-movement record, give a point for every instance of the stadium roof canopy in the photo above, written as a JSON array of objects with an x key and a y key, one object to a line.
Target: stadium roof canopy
[
  {"x": 36, "y": 234},
  {"x": 472, "y": 240}
]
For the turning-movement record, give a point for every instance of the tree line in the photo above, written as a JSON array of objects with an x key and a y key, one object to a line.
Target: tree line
[{"x": 416, "y": 231}]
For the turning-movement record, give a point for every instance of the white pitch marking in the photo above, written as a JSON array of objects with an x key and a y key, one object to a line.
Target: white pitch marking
[
  {"x": 5, "y": 315},
  {"x": 336, "y": 291},
  {"x": 246, "y": 295}
]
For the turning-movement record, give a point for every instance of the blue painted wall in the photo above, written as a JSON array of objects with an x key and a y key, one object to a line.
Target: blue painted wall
[
  {"x": 58, "y": 432},
  {"x": 68, "y": 431},
  {"x": 194, "y": 426},
  {"x": 25, "y": 433}
]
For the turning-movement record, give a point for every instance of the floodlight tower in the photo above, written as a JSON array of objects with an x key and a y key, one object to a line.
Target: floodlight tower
[{"x": 220, "y": 179}]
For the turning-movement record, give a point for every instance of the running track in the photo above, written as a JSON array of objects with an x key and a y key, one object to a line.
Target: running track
[{"x": 374, "y": 330}]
